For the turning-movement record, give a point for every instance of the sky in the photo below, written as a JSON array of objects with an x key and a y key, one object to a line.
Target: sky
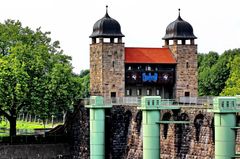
[{"x": 216, "y": 23}]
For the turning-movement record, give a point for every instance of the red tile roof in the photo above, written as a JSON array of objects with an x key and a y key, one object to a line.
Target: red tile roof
[{"x": 149, "y": 55}]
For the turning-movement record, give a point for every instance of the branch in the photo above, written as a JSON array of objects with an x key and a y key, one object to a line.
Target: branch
[{"x": 5, "y": 114}]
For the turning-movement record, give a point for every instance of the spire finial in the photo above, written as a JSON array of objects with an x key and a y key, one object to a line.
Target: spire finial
[
  {"x": 106, "y": 15},
  {"x": 107, "y": 9},
  {"x": 179, "y": 16}
]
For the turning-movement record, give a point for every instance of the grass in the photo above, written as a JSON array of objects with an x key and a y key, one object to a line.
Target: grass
[{"x": 24, "y": 126}]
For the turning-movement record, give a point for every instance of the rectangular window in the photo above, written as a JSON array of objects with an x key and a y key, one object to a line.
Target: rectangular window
[
  {"x": 128, "y": 92},
  {"x": 148, "y": 92},
  {"x": 187, "y": 94},
  {"x": 139, "y": 92},
  {"x": 113, "y": 97},
  {"x": 157, "y": 92}
]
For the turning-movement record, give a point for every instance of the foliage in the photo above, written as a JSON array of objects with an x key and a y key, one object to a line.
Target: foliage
[
  {"x": 214, "y": 70},
  {"x": 85, "y": 82},
  {"x": 233, "y": 82},
  {"x": 35, "y": 75}
]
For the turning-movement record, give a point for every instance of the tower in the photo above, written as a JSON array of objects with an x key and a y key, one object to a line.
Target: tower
[
  {"x": 107, "y": 58},
  {"x": 179, "y": 38}
]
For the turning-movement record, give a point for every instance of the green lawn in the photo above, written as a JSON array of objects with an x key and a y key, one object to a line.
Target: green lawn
[{"x": 24, "y": 126}]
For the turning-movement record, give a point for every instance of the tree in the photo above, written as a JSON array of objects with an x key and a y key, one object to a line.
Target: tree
[
  {"x": 35, "y": 75},
  {"x": 214, "y": 71},
  {"x": 232, "y": 87},
  {"x": 85, "y": 83},
  {"x": 206, "y": 63}
]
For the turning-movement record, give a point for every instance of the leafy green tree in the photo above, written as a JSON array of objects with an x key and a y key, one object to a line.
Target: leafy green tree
[
  {"x": 85, "y": 83},
  {"x": 205, "y": 76},
  {"x": 214, "y": 71},
  {"x": 35, "y": 75},
  {"x": 232, "y": 87}
]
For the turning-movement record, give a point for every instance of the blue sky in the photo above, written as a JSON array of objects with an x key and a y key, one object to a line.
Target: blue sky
[{"x": 216, "y": 23}]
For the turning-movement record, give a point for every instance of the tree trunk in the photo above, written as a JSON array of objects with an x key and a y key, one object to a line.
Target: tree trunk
[{"x": 13, "y": 123}]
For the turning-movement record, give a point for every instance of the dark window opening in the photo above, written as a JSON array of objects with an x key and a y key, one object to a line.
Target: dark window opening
[
  {"x": 187, "y": 65},
  {"x": 198, "y": 122},
  {"x": 113, "y": 97},
  {"x": 187, "y": 94},
  {"x": 166, "y": 117},
  {"x": 113, "y": 63}
]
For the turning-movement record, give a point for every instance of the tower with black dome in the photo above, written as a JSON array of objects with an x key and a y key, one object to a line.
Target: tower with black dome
[
  {"x": 180, "y": 39},
  {"x": 107, "y": 58}
]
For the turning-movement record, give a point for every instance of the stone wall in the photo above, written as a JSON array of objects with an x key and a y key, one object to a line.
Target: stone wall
[
  {"x": 78, "y": 131},
  {"x": 35, "y": 151},
  {"x": 178, "y": 141},
  {"x": 107, "y": 69},
  {"x": 193, "y": 140},
  {"x": 186, "y": 69},
  {"x": 124, "y": 139}
]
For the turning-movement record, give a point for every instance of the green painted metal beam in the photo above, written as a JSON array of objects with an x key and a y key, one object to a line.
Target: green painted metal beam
[
  {"x": 151, "y": 130},
  {"x": 97, "y": 127},
  {"x": 237, "y": 127},
  {"x": 225, "y": 109},
  {"x": 236, "y": 156}
]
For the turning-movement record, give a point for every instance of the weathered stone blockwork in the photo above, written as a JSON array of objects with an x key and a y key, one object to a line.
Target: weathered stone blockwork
[
  {"x": 124, "y": 139},
  {"x": 78, "y": 131},
  {"x": 107, "y": 69},
  {"x": 124, "y": 134},
  {"x": 186, "y": 69},
  {"x": 34, "y": 151}
]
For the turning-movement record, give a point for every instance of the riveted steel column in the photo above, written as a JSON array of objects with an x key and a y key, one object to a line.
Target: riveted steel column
[
  {"x": 97, "y": 127},
  {"x": 151, "y": 130},
  {"x": 224, "y": 122}
]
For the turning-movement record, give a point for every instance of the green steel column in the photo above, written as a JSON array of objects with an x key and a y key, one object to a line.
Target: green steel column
[
  {"x": 224, "y": 109},
  {"x": 151, "y": 130},
  {"x": 97, "y": 127}
]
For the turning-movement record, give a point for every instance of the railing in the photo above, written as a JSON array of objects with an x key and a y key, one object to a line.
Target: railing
[
  {"x": 116, "y": 101},
  {"x": 207, "y": 100},
  {"x": 136, "y": 101}
]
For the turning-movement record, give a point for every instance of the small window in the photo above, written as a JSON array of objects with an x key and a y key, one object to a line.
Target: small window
[
  {"x": 222, "y": 103},
  {"x": 129, "y": 68},
  {"x": 187, "y": 94},
  {"x": 149, "y": 68},
  {"x": 232, "y": 103},
  {"x": 113, "y": 97},
  {"x": 113, "y": 63},
  {"x": 227, "y": 104},
  {"x": 148, "y": 92},
  {"x": 152, "y": 102},
  {"x": 187, "y": 65},
  {"x": 148, "y": 102},
  {"x": 139, "y": 92},
  {"x": 157, "y": 92},
  {"x": 129, "y": 92}
]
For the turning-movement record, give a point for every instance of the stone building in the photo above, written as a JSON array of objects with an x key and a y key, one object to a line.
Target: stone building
[{"x": 117, "y": 71}]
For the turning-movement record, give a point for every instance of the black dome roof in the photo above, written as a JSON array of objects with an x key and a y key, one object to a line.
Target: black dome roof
[
  {"x": 106, "y": 27},
  {"x": 179, "y": 29}
]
